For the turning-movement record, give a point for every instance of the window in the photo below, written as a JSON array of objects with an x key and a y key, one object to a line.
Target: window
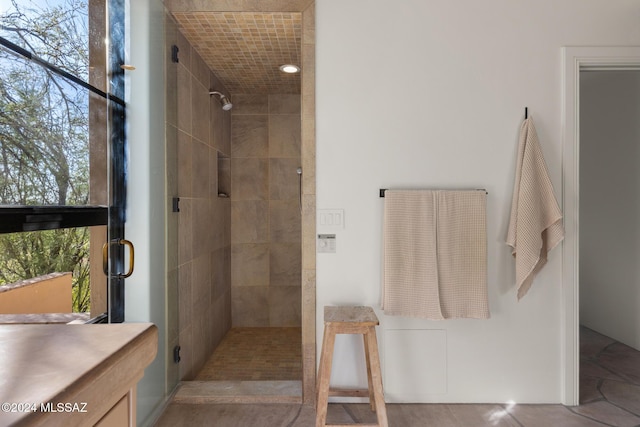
[{"x": 62, "y": 147}]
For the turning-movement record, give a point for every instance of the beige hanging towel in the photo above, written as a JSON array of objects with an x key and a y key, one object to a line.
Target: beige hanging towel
[
  {"x": 435, "y": 254},
  {"x": 535, "y": 226}
]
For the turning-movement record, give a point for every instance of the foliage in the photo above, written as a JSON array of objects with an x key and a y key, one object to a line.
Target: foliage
[
  {"x": 43, "y": 118},
  {"x": 44, "y": 145},
  {"x": 33, "y": 254}
]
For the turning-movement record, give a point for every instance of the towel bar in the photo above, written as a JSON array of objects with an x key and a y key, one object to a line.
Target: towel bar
[{"x": 383, "y": 190}]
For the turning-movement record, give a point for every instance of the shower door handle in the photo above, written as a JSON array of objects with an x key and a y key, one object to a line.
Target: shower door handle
[
  {"x": 105, "y": 257},
  {"x": 299, "y": 172}
]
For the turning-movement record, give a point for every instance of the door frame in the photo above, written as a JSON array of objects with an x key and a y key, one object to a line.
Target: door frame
[
  {"x": 575, "y": 59},
  {"x": 308, "y": 157},
  {"x": 117, "y": 164}
]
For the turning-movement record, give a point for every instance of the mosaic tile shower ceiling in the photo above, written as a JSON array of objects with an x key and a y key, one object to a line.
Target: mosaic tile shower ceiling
[{"x": 245, "y": 49}]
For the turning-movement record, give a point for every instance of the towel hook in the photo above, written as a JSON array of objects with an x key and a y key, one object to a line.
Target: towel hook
[{"x": 526, "y": 113}]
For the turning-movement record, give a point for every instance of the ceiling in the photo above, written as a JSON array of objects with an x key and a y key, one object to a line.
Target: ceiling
[{"x": 245, "y": 49}]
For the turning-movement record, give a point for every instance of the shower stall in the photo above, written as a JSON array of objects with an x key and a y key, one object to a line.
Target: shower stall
[
  {"x": 265, "y": 241},
  {"x": 235, "y": 152}
]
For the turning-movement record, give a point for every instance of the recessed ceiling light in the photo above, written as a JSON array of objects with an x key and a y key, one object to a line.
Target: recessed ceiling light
[{"x": 289, "y": 68}]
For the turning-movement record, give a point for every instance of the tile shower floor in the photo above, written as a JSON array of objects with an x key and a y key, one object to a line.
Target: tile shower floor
[
  {"x": 256, "y": 354},
  {"x": 609, "y": 390}
]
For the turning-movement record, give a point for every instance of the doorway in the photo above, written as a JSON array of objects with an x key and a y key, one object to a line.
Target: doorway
[
  {"x": 306, "y": 202},
  {"x": 576, "y": 61},
  {"x": 610, "y": 203}
]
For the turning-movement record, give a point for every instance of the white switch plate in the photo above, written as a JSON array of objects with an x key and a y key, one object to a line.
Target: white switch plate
[{"x": 331, "y": 218}]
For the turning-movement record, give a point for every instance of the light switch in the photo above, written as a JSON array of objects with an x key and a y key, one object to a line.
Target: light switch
[{"x": 331, "y": 218}]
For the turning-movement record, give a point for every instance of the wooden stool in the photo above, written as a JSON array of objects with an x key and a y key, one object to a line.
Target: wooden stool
[{"x": 351, "y": 320}]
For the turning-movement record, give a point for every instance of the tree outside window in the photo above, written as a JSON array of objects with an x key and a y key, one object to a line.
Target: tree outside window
[{"x": 45, "y": 142}]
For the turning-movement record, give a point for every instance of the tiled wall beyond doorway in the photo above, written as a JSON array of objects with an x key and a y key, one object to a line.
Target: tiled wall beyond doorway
[{"x": 265, "y": 211}]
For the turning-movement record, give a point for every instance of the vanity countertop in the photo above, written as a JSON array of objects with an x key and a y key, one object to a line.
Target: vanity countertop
[{"x": 70, "y": 374}]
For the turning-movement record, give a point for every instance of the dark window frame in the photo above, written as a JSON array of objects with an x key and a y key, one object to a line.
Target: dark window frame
[{"x": 18, "y": 219}]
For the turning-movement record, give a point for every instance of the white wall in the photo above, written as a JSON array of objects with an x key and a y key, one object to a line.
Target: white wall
[
  {"x": 145, "y": 297},
  {"x": 431, "y": 93},
  {"x": 610, "y": 203}
]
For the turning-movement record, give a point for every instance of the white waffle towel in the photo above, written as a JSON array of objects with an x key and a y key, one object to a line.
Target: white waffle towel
[
  {"x": 535, "y": 226},
  {"x": 435, "y": 254}
]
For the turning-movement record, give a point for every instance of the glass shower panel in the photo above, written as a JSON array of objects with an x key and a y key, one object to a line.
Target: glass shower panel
[{"x": 173, "y": 205}]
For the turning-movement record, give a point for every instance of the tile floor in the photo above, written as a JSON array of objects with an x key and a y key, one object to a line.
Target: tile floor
[
  {"x": 256, "y": 354},
  {"x": 609, "y": 389}
]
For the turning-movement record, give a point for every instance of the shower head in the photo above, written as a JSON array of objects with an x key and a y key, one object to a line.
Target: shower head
[
  {"x": 226, "y": 104},
  {"x": 224, "y": 101}
]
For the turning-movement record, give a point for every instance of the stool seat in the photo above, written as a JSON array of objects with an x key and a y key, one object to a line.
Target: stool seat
[
  {"x": 365, "y": 316},
  {"x": 351, "y": 320}
]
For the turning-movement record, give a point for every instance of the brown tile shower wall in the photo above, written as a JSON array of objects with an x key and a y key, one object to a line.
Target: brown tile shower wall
[
  {"x": 199, "y": 137},
  {"x": 265, "y": 212}
]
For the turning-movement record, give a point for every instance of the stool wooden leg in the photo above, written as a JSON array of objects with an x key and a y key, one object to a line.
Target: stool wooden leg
[
  {"x": 376, "y": 376},
  {"x": 324, "y": 375},
  {"x": 321, "y": 364},
  {"x": 372, "y": 402}
]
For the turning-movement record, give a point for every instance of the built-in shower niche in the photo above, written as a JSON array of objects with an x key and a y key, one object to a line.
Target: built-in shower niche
[{"x": 224, "y": 176}]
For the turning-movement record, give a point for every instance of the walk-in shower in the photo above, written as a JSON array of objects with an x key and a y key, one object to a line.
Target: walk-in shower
[{"x": 253, "y": 272}]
